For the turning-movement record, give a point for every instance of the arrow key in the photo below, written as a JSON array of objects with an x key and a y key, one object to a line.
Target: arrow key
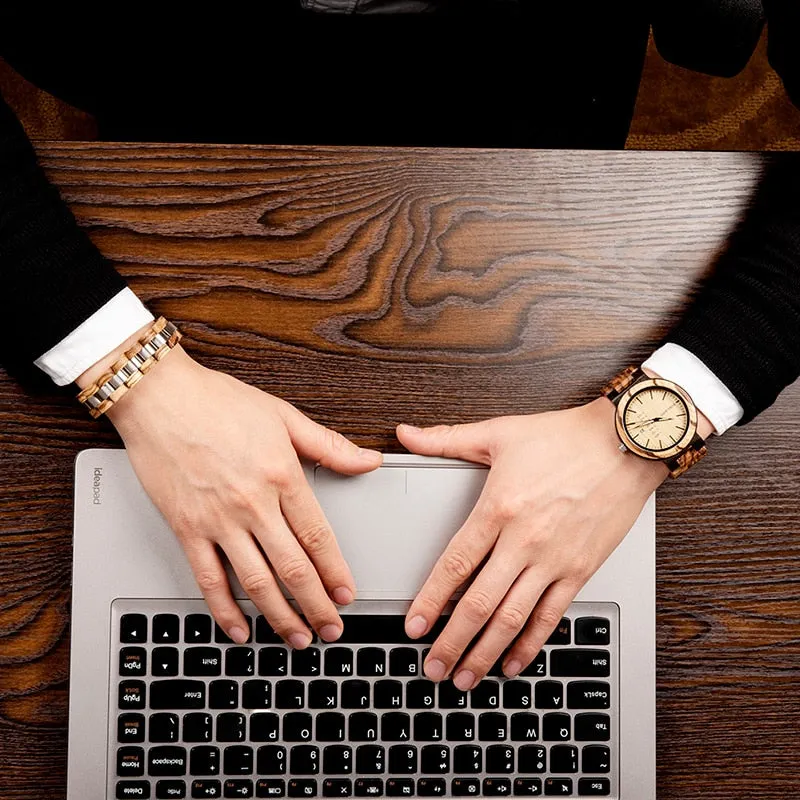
[
  {"x": 165, "y": 661},
  {"x": 197, "y": 629},
  {"x": 166, "y": 628}
]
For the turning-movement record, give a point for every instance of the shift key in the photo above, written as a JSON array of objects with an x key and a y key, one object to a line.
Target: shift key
[
  {"x": 177, "y": 694},
  {"x": 580, "y": 663}
]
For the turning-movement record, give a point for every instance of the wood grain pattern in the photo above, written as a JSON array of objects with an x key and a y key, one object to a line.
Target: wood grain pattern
[{"x": 375, "y": 286}]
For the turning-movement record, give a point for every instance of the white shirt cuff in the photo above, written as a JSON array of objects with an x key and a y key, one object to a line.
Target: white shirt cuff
[
  {"x": 94, "y": 338},
  {"x": 675, "y": 363}
]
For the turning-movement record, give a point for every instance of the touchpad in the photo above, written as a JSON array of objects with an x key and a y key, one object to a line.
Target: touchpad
[{"x": 393, "y": 524}]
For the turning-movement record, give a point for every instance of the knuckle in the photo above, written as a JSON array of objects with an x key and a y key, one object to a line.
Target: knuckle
[
  {"x": 480, "y": 663},
  {"x": 210, "y": 581},
  {"x": 315, "y": 537},
  {"x": 458, "y": 564},
  {"x": 511, "y": 617},
  {"x": 477, "y": 605},
  {"x": 507, "y": 507},
  {"x": 449, "y": 652},
  {"x": 295, "y": 571},
  {"x": 546, "y": 617},
  {"x": 256, "y": 583}
]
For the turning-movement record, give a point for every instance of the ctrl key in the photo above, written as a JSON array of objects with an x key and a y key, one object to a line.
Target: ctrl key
[{"x": 133, "y": 789}]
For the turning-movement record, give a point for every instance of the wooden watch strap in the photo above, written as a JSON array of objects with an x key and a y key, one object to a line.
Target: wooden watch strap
[
  {"x": 619, "y": 383},
  {"x": 688, "y": 458}
]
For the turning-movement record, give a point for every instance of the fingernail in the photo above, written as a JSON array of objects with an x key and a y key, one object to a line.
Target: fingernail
[
  {"x": 239, "y": 635},
  {"x": 416, "y": 626},
  {"x": 299, "y": 640},
  {"x": 464, "y": 679},
  {"x": 513, "y": 668},
  {"x": 330, "y": 632},
  {"x": 412, "y": 428},
  {"x": 435, "y": 669},
  {"x": 342, "y": 596},
  {"x": 369, "y": 455}
]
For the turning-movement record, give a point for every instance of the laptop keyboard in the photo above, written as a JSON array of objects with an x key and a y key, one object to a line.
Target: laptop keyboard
[{"x": 193, "y": 715}]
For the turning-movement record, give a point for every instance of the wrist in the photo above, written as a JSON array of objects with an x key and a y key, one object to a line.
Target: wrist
[{"x": 104, "y": 364}]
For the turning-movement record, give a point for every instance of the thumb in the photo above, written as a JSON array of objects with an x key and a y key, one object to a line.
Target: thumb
[
  {"x": 470, "y": 442},
  {"x": 327, "y": 447}
]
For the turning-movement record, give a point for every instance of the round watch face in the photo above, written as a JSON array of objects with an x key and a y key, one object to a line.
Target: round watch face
[{"x": 656, "y": 419}]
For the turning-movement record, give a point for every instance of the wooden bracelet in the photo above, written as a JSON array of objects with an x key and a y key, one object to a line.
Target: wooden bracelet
[{"x": 130, "y": 368}]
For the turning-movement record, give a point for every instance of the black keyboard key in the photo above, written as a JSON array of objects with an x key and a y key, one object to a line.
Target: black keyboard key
[
  {"x": 271, "y": 760},
  {"x": 130, "y": 762},
  {"x": 337, "y": 787},
  {"x": 197, "y": 629},
  {"x": 290, "y": 694},
  {"x": 400, "y": 787},
  {"x": 206, "y": 788},
  {"x": 580, "y": 663},
  {"x": 337, "y": 759},
  {"x": 166, "y": 761},
  {"x": 197, "y": 727},
  {"x": 467, "y": 759},
  {"x": 238, "y": 760},
  {"x": 592, "y": 631},
  {"x": 549, "y": 694},
  {"x": 223, "y": 694},
  {"x": 265, "y": 634},
  {"x": 170, "y": 789},
  {"x": 563, "y": 758},
  {"x": 220, "y": 637},
  {"x": 431, "y": 787},
  {"x": 237, "y": 787},
  {"x": 132, "y": 694},
  {"x": 330, "y": 727},
  {"x": 240, "y": 661},
  {"x": 231, "y": 727},
  {"x": 404, "y": 662},
  {"x": 556, "y": 727},
  {"x": 164, "y": 662},
  {"x": 428, "y": 727},
  {"x": 264, "y": 727},
  {"x": 304, "y": 760},
  {"x": 205, "y": 661},
  {"x": 492, "y": 727},
  {"x": 486, "y": 695},
  {"x": 396, "y": 727},
  {"x": 537, "y": 668},
  {"x": 322, "y": 694},
  {"x": 270, "y": 787},
  {"x": 531, "y": 758},
  {"x": 388, "y": 694},
  {"x": 528, "y": 787},
  {"x": 163, "y": 727},
  {"x": 420, "y": 694},
  {"x": 307, "y": 663},
  {"x": 137, "y": 789},
  {"x": 435, "y": 759},
  {"x": 132, "y": 661},
  {"x": 371, "y": 662},
  {"x": 517, "y": 694},
  {"x": 592, "y": 728},
  {"x": 465, "y": 787},
  {"x": 256, "y": 694},
  {"x": 338, "y": 662},
  {"x": 558, "y": 787},
  {"x": 562, "y": 634},
  {"x": 370, "y": 759},
  {"x": 176, "y": 695},
  {"x": 496, "y": 787},
  {"x": 369, "y": 787},
  {"x": 588, "y": 694},
  {"x": 130, "y": 728},
  {"x": 204, "y": 761},
  {"x": 594, "y": 787},
  {"x": 302, "y": 787},
  {"x": 524, "y": 727},
  {"x": 499, "y": 758},
  {"x": 166, "y": 629},
  {"x": 461, "y": 727},
  {"x": 133, "y": 628},
  {"x": 297, "y": 726},
  {"x": 355, "y": 694},
  {"x": 450, "y": 697},
  {"x": 402, "y": 759},
  {"x": 273, "y": 662},
  {"x": 596, "y": 758},
  {"x": 362, "y": 727}
]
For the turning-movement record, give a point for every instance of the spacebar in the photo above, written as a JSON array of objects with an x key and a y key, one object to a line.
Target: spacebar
[{"x": 383, "y": 629}]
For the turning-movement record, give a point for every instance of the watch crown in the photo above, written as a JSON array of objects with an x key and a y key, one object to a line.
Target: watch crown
[{"x": 622, "y": 448}]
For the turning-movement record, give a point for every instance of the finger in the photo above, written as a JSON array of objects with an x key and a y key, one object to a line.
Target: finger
[
  {"x": 295, "y": 570},
  {"x": 307, "y": 520},
  {"x": 327, "y": 447},
  {"x": 470, "y": 441},
  {"x": 473, "y": 611},
  {"x": 509, "y": 618},
  {"x": 213, "y": 582},
  {"x": 259, "y": 583},
  {"x": 547, "y": 613}
]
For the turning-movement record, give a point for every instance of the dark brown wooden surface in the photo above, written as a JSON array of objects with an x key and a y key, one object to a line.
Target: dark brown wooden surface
[{"x": 375, "y": 286}]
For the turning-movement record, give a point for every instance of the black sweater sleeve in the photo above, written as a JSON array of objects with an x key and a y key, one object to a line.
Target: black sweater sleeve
[{"x": 52, "y": 277}]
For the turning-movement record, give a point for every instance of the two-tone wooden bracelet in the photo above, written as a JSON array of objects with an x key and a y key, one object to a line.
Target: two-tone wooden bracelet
[{"x": 130, "y": 368}]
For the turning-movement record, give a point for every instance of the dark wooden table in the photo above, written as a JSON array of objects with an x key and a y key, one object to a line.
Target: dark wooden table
[{"x": 375, "y": 286}]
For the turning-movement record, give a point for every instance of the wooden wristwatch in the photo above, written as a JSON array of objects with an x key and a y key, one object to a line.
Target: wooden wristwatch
[{"x": 655, "y": 419}]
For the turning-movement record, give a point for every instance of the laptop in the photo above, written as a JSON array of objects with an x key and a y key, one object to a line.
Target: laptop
[{"x": 163, "y": 705}]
